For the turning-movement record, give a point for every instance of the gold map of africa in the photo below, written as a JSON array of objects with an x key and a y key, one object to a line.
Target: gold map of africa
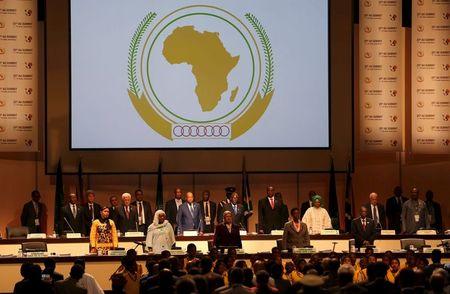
[{"x": 211, "y": 62}]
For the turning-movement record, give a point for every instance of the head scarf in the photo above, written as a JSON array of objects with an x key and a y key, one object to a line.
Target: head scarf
[
  {"x": 317, "y": 198},
  {"x": 156, "y": 217}
]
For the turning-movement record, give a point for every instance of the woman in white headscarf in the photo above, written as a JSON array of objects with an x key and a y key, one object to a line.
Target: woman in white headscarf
[{"x": 160, "y": 235}]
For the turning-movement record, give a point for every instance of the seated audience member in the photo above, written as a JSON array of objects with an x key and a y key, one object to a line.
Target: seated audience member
[
  {"x": 201, "y": 284},
  {"x": 361, "y": 272},
  {"x": 345, "y": 274},
  {"x": 221, "y": 269},
  {"x": 70, "y": 285},
  {"x": 276, "y": 272},
  {"x": 185, "y": 286},
  {"x": 146, "y": 283},
  {"x": 439, "y": 281},
  {"x": 103, "y": 236},
  {"x": 376, "y": 274},
  {"x": 49, "y": 269},
  {"x": 394, "y": 270},
  {"x": 317, "y": 218},
  {"x": 436, "y": 256},
  {"x": 34, "y": 214},
  {"x": 236, "y": 283},
  {"x": 73, "y": 216},
  {"x": 127, "y": 215},
  {"x": 25, "y": 269},
  {"x": 312, "y": 283},
  {"x": 214, "y": 280},
  {"x": 160, "y": 235},
  {"x": 131, "y": 271},
  {"x": 33, "y": 283},
  {"x": 406, "y": 280},
  {"x": 165, "y": 285},
  {"x": 227, "y": 233},
  {"x": 248, "y": 278},
  {"x": 175, "y": 267},
  {"x": 330, "y": 273},
  {"x": 363, "y": 229},
  {"x": 240, "y": 264},
  {"x": 191, "y": 254},
  {"x": 295, "y": 233},
  {"x": 88, "y": 281},
  {"x": 262, "y": 283}
]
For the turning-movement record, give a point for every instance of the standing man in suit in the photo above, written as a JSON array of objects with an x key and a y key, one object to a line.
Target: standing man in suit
[
  {"x": 144, "y": 211},
  {"x": 221, "y": 207},
  {"x": 34, "y": 214},
  {"x": 208, "y": 209},
  {"x": 394, "y": 210},
  {"x": 237, "y": 211},
  {"x": 128, "y": 218},
  {"x": 307, "y": 204},
  {"x": 91, "y": 210},
  {"x": 73, "y": 215},
  {"x": 189, "y": 216},
  {"x": 114, "y": 209},
  {"x": 376, "y": 211},
  {"x": 172, "y": 207},
  {"x": 270, "y": 213},
  {"x": 363, "y": 229},
  {"x": 434, "y": 211}
]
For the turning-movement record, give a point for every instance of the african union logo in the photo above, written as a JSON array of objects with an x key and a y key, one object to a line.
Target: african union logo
[{"x": 200, "y": 72}]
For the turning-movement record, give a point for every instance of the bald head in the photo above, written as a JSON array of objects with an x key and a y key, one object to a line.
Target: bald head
[{"x": 373, "y": 197}]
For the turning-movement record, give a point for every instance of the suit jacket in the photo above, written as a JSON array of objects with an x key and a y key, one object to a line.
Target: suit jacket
[
  {"x": 381, "y": 214},
  {"x": 69, "y": 286},
  {"x": 436, "y": 207},
  {"x": 239, "y": 217},
  {"x": 77, "y": 223},
  {"x": 304, "y": 208},
  {"x": 212, "y": 214},
  {"x": 222, "y": 237},
  {"x": 127, "y": 224},
  {"x": 394, "y": 213},
  {"x": 361, "y": 235},
  {"x": 29, "y": 216},
  {"x": 187, "y": 221},
  {"x": 88, "y": 217},
  {"x": 293, "y": 238},
  {"x": 147, "y": 214},
  {"x": 114, "y": 214},
  {"x": 171, "y": 212},
  {"x": 270, "y": 219}
]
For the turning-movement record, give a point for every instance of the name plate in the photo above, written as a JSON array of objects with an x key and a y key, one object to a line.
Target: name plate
[
  {"x": 303, "y": 250},
  {"x": 243, "y": 233},
  {"x": 73, "y": 235},
  {"x": 277, "y": 232},
  {"x": 388, "y": 232},
  {"x": 134, "y": 234},
  {"x": 190, "y": 233},
  {"x": 37, "y": 236},
  {"x": 37, "y": 254},
  {"x": 329, "y": 232},
  {"x": 177, "y": 252},
  {"x": 426, "y": 232},
  {"x": 117, "y": 253},
  {"x": 240, "y": 251},
  {"x": 429, "y": 250}
]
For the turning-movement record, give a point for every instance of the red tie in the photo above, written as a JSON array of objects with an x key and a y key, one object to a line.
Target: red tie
[
  {"x": 127, "y": 211},
  {"x": 364, "y": 225},
  {"x": 271, "y": 203}
]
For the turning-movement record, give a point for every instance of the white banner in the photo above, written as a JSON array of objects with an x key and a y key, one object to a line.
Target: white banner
[
  {"x": 18, "y": 75},
  {"x": 430, "y": 76},
  {"x": 381, "y": 75}
]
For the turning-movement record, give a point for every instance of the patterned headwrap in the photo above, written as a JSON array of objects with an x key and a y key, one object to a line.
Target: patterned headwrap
[{"x": 317, "y": 198}]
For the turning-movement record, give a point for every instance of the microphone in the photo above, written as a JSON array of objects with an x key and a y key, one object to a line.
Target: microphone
[
  {"x": 140, "y": 243},
  {"x": 67, "y": 222}
]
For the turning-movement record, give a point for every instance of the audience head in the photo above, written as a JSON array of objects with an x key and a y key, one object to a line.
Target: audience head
[
  {"x": 236, "y": 276},
  {"x": 205, "y": 195},
  {"x": 346, "y": 272},
  {"x": 439, "y": 280},
  {"x": 206, "y": 264},
  {"x": 185, "y": 286},
  {"x": 126, "y": 199},
  {"x": 258, "y": 265},
  {"x": 201, "y": 284},
  {"x": 114, "y": 201},
  {"x": 295, "y": 214},
  {"x": 386, "y": 260},
  {"x": 311, "y": 283},
  {"x": 372, "y": 259},
  {"x": 248, "y": 277},
  {"x": 165, "y": 254},
  {"x": 262, "y": 279},
  {"x": 25, "y": 269},
  {"x": 50, "y": 264},
  {"x": 414, "y": 193},
  {"x": 174, "y": 263},
  {"x": 241, "y": 264},
  {"x": 76, "y": 272},
  {"x": 149, "y": 264},
  {"x": 270, "y": 191},
  {"x": 164, "y": 264},
  {"x": 289, "y": 267},
  {"x": 406, "y": 278},
  {"x": 35, "y": 273},
  {"x": 376, "y": 270},
  {"x": 177, "y": 193},
  {"x": 90, "y": 196},
  {"x": 395, "y": 265},
  {"x": 276, "y": 271},
  {"x": 346, "y": 259},
  {"x": 80, "y": 262},
  {"x": 35, "y": 196},
  {"x": 165, "y": 278},
  {"x": 190, "y": 197},
  {"x": 213, "y": 253},
  {"x": 373, "y": 198},
  {"x": 191, "y": 249},
  {"x": 436, "y": 256}
]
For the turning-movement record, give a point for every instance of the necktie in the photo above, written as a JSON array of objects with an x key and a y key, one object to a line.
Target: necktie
[
  {"x": 74, "y": 211},
  {"x": 207, "y": 209},
  {"x": 140, "y": 212},
  {"x": 364, "y": 224},
  {"x": 127, "y": 211},
  {"x": 375, "y": 215},
  {"x": 191, "y": 209},
  {"x": 271, "y": 203},
  {"x": 235, "y": 208},
  {"x": 36, "y": 208},
  {"x": 91, "y": 211}
]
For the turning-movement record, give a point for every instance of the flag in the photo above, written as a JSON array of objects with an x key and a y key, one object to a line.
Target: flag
[
  {"x": 332, "y": 198},
  {"x": 246, "y": 196},
  {"x": 159, "y": 188},
  {"x": 80, "y": 187},
  {"x": 349, "y": 199},
  {"x": 59, "y": 200}
]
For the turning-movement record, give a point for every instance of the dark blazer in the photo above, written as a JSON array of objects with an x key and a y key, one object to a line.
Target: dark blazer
[
  {"x": 270, "y": 219},
  {"x": 223, "y": 237},
  {"x": 239, "y": 217},
  {"x": 186, "y": 221},
  {"x": 127, "y": 224},
  {"x": 394, "y": 213},
  {"x": 114, "y": 214},
  {"x": 69, "y": 286},
  {"x": 212, "y": 215},
  {"x": 88, "y": 217},
  {"x": 361, "y": 235},
  {"x": 78, "y": 223},
  {"x": 437, "y": 225},
  {"x": 304, "y": 208},
  {"x": 171, "y": 212},
  {"x": 28, "y": 217},
  {"x": 293, "y": 238},
  {"x": 147, "y": 213},
  {"x": 381, "y": 214}
]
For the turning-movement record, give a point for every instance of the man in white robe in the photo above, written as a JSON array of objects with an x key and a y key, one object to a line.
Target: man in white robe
[{"x": 317, "y": 218}]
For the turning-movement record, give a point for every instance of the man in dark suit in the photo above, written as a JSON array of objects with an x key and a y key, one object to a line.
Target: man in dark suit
[
  {"x": 221, "y": 207},
  {"x": 237, "y": 210},
  {"x": 270, "y": 213},
  {"x": 128, "y": 218},
  {"x": 189, "y": 216},
  {"x": 69, "y": 285},
  {"x": 91, "y": 210},
  {"x": 73, "y": 215},
  {"x": 34, "y": 214},
  {"x": 434, "y": 211},
  {"x": 394, "y": 210},
  {"x": 114, "y": 209},
  {"x": 363, "y": 229},
  {"x": 376, "y": 211},
  {"x": 307, "y": 204},
  {"x": 208, "y": 210},
  {"x": 227, "y": 233},
  {"x": 144, "y": 211},
  {"x": 172, "y": 207}
]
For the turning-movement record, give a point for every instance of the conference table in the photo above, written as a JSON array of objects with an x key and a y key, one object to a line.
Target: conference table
[{"x": 65, "y": 251}]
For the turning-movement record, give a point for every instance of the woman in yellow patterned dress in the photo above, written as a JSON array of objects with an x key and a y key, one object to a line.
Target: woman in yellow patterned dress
[{"x": 103, "y": 235}]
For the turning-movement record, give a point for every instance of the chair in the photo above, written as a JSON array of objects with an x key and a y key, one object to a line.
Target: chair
[
  {"x": 280, "y": 244},
  {"x": 417, "y": 243},
  {"x": 17, "y": 232},
  {"x": 34, "y": 247}
]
